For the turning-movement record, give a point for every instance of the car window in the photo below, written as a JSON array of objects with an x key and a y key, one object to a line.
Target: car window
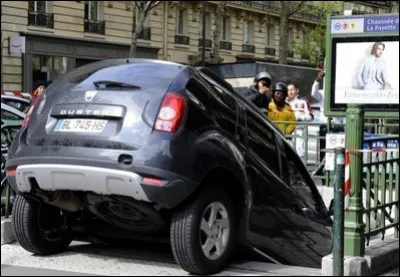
[
  {"x": 222, "y": 93},
  {"x": 17, "y": 104},
  {"x": 297, "y": 179},
  {"x": 154, "y": 76},
  {"x": 262, "y": 141},
  {"x": 9, "y": 116}
]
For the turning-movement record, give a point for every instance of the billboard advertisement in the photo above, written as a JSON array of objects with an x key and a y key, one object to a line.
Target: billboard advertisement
[
  {"x": 363, "y": 65},
  {"x": 367, "y": 72}
]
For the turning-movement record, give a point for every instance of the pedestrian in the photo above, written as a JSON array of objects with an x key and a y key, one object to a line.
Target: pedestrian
[
  {"x": 259, "y": 93},
  {"x": 303, "y": 112},
  {"x": 301, "y": 107},
  {"x": 38, "y": 89},
  {"x": 279, "y": 110}
]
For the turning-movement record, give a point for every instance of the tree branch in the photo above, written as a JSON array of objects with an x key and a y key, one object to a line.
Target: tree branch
[{"x": 296, "y": 9}]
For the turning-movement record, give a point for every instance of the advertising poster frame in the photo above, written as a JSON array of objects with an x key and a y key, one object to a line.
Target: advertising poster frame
[{"x": 351, "y": 44}]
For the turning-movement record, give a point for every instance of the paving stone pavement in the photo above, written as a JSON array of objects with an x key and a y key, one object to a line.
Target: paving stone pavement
[{"x": 117, "y": 261}]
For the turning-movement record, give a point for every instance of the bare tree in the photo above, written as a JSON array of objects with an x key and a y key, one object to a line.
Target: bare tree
[
  {"x": 219, "y": 15},
  {"x": 142, "y": 9},
  {"x": 288, "y": 8}
]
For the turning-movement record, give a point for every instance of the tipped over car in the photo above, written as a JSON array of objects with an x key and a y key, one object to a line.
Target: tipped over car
[{"x": 137, "y": 148}]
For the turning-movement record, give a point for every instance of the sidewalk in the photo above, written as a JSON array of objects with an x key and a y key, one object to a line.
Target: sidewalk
[{"x": 115, "y": 261}]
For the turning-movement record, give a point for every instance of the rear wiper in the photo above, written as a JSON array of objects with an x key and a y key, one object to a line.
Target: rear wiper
[{"x": 113, "y": 84}]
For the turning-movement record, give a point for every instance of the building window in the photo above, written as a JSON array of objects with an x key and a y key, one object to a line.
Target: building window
[
  {"x": 306, "y": 40},
  {"x": 181, "y": 21},
  {"x": 92, "y": 10},
  {"x": 208, "y": 25},
  {"x": 248, "y": 32},
  {"x": 37, "y": 6},
  {"x": 93, "y": 17},
  {"x": 225, "y": 28},
  {"x": 270, "y": 36},
  {"x": 39, "y": 14},
  {"x": 290, "y": 38},
  {"x": 48, "y": 68}
]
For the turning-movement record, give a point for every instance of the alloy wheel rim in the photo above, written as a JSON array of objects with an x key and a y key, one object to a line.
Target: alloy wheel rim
[{"x": 214, "y": 230}]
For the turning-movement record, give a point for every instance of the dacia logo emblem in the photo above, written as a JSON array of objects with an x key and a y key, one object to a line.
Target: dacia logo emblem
[{"x": 90, "y": 94}]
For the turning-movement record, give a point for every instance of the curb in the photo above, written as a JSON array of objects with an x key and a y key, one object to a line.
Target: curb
[
  {"x": 7, "y": 235},
  {"x": 383, "y": 256},
  {"x": 379, "y": 258}
]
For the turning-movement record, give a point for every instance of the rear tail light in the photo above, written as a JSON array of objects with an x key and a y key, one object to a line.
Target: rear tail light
[
  {"x": 11, "y": 171},
  {"x": 171, "y": 113},
  {"x": 153, "y": 182}
]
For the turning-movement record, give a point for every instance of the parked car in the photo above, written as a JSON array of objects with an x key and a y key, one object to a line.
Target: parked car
[
  {"x": 17, "y": 102},
  {"x": 136, "y": 148},
  {"x": 11, "y": 121}
]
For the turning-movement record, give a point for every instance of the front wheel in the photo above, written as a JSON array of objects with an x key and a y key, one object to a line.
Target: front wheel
[
  {"x": 39, "y": 228},
  {"x": 203, "y": 233}
]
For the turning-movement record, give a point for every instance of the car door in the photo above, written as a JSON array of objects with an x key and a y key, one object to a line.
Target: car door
[
  {"x": 271, "y": 206},
  {"x": 309, "y": 239}
]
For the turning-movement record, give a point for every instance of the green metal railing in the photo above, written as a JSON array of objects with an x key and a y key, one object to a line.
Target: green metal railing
[
  {"x": 381, "y": 188},
  {"x": 313, "y": 138}
]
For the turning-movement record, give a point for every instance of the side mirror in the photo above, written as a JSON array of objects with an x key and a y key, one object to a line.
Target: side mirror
[{"x": 330, "y": 210}]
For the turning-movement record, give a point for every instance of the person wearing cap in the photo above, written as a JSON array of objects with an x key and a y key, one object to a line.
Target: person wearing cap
[
  {"x": 279, "y": 110},
  {"x": 259, "y": 92}
]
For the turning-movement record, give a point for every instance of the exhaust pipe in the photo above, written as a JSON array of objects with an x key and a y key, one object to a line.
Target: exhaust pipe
[{"x": 64, "y": 200}]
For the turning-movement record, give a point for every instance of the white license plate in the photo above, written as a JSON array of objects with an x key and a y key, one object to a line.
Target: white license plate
[{"x": 81, "y": 125}]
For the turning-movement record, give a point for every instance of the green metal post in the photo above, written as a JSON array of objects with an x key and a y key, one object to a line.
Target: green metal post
[
  {"x": 338, "y": 213},
  {"x": 354, "y": 240}
]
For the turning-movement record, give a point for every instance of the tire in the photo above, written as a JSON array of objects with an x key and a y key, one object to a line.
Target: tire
[
  {"x": 31, "y": 220},
  {"x": 187, "y": 234}
]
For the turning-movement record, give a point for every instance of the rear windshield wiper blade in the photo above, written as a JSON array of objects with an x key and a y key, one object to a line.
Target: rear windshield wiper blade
[{"x": 114, "y": 84}]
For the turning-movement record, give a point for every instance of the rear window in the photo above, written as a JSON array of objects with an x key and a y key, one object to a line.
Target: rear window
[{"x": 142, "y": 74}]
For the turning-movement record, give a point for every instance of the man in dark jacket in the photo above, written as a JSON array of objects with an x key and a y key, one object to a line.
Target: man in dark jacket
[{"x": 259, "y": 92}]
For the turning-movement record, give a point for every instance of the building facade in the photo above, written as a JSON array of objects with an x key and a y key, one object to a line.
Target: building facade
[{"x": 63, "y": 35}]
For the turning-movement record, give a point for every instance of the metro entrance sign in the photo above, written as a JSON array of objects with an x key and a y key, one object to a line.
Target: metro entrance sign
[{"x": 362, "y": 65}]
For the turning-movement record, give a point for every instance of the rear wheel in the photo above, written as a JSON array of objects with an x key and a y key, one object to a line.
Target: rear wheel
[
  {"x": 203, "y": 233},
  {"x": 40, "y": 228}
]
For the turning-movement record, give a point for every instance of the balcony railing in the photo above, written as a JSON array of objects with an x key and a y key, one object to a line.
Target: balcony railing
[
  {"x": 226, "y": 45},
  {"x": 94, "y": 26},
  {"x": 248, "y": 48},
  {"x": 206, "y": 42},
  {"x": 275, "y": 7},
  {"x": 381, "y": 4},
  {"x": 270, "y": 51},
  {"x": 40, "y": 19},
  {"x": 145, "y": 33},
  {"x": 180, "y": 39}
]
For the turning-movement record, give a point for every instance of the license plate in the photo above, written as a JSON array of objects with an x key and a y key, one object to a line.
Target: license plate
[{"x": 81, "y": 125}]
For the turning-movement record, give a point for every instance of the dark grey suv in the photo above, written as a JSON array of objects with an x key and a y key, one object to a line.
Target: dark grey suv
[{"x": 138, "y": 148}]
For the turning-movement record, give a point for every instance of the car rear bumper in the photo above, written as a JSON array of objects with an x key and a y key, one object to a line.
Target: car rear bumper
[
  {"x": 103, "y": 181},
  {"x": 52, "y": 176}
]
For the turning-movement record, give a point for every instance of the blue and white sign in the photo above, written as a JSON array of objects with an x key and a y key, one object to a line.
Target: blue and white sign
[
  {"x": 347, "y": 25},
  {"x": 388, "y": 23}
]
